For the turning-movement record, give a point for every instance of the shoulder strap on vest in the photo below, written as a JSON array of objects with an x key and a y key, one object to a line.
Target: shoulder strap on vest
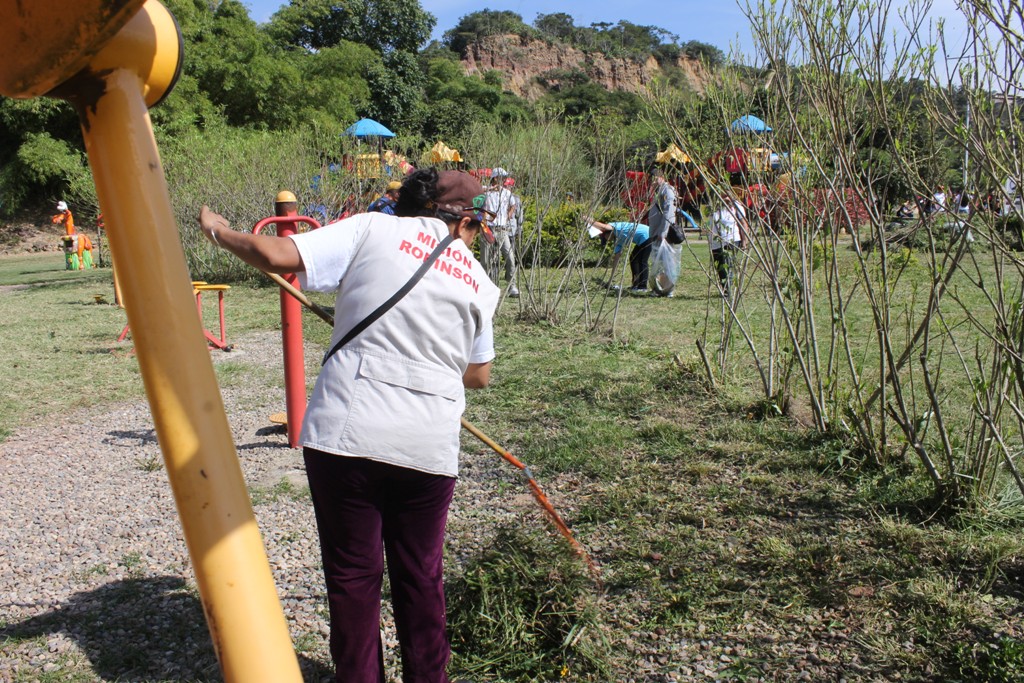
[{"x": 395, "y": 298}]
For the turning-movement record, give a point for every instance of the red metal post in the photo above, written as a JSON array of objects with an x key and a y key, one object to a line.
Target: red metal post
[{"x": 287, "y": 220}]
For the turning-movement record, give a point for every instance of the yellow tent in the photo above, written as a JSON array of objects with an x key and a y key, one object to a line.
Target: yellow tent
[
  {"x": 673, "y": 153},
  {"x": 442, "y": 152}
]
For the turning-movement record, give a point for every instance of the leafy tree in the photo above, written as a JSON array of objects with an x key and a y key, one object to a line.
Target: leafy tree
[
  {"x": 334, "y": 87},
  {"x": 254, "y": 82},
  {"x": 395, "y": 25},
  {"x": 383, "y": 25},
  {"x": 449, "y": 120},
  {"x": 396, "y": 89},
  {"x": 477, "y": 25},
  {"x": 562, "y": 79},
  {"x": 588, "y": 98},
  {"x": 38, "y": 140},
  {"x": 558, "y": 26},
  {"x": 42, "y": 165},
  {"x": 694, "y": 49}
]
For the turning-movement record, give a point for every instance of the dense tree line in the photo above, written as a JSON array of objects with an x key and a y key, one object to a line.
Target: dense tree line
[{"x": 320, "y": 64}]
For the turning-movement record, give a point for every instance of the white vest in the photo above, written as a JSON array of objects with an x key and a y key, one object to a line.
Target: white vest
[{"x": 394, "y": 393}]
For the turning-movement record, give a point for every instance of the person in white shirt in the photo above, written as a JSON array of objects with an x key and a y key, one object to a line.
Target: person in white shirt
[
  {"x": 726, "y": 229},
  {"x": 515, "y": 223},
  {"x": 939, "y": 200},
  {"x": 381, "y": 434},
  {"x": 500, "y": 203}
]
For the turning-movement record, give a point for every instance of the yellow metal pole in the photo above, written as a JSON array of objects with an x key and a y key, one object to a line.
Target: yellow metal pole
[{"x": 111, "y": 93}]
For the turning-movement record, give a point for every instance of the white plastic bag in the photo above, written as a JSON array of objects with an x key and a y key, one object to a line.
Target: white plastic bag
[{"x": 665, "y": 267}]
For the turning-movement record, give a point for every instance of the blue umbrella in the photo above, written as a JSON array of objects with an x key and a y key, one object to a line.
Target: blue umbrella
[
  {"x": 749, "y": 124},
  {"x": 368, "y": 128}
]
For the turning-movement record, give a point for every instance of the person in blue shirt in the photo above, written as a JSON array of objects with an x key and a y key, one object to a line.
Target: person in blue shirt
[
  {"x": 626, "y": 232},
  {"x": 386, "y": 202}
]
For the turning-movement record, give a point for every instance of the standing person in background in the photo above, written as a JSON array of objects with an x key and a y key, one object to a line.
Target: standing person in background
[
  {"x": 499, "y": 202},
  {"x": 663, "y": 205},
  {"x": 727, "y": 226},
  {"x": 381, "y": 434},
  {"x": 939, "y": 200},
  {"x": 64, "y": 216},
  {"x": 515, "y": 223},
  {"x": 387, "y": 202},
  {"x": 639, "y": 258}
]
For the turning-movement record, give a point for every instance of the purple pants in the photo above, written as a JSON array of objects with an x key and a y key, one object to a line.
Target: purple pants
[{"x": 363, "y": 509}]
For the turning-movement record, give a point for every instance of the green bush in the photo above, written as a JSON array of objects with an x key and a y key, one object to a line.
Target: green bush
[
  {"x": 1012, "y": 230},
  {"x": 548, "y": 240},
  {"x": 238, "y": 173},
  {"x": 43, "y": 165}
]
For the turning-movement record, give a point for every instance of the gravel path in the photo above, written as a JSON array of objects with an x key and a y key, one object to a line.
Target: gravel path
[
  {"x": 95, "y": 580},
  {"x": 96, "y": 584}
]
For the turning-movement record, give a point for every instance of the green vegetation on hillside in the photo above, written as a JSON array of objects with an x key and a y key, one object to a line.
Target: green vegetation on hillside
[{"x": 315, "y": 64}]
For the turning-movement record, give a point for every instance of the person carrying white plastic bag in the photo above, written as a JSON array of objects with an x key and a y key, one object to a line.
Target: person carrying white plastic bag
[{"x": 665, "y": 268}]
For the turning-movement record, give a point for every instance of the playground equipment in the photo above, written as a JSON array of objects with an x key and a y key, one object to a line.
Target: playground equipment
[
  {"x": 198, "y": 288},
  {"x": 77, "y": 251},
  {"x": 65, "y": 218},
  {"x": 70, "y": 246},
  {"x": 112, "y": 59},
  {"x": 287, "y": 221}
]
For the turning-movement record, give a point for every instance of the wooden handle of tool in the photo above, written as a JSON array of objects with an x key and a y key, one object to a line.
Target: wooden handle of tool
[{"x": 302, "y": 298}]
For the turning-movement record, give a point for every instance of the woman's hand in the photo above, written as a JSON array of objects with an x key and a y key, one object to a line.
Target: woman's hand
[
  {"x": 211, "y": 223},
  {"x": 269, "y": 253}
]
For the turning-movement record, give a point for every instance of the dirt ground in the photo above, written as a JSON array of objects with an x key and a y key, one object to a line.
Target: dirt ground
[{"x": 23, "y": 238}]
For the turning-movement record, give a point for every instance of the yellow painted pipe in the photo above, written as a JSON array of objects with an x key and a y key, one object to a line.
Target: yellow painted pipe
[{"x": 111, "y": 94}]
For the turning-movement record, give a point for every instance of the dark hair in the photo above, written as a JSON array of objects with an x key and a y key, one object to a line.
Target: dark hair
[{"x": 419, "y": 191}]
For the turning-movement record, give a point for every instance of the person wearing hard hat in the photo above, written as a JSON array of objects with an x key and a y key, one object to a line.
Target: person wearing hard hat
[
  {"x": 381, "y": 435},
  {"x": 64, "y": 216},
  {"x": 386, "y": 202}
]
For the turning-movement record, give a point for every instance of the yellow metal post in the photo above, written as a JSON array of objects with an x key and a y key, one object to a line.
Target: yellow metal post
[{"x": 121, "y": 76}]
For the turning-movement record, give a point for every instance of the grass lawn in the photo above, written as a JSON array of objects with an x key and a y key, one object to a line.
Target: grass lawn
[{"x": 728, "y": 542}]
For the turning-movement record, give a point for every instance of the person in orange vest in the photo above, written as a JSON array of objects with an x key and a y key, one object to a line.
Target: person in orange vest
[{"x": 64, "y": 217}]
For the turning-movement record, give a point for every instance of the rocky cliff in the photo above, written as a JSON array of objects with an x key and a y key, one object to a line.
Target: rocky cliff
[{"x": 528, "y": 64}]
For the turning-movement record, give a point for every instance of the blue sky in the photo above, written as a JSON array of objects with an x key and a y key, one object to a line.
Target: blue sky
[{"x": 718, "y": 22}]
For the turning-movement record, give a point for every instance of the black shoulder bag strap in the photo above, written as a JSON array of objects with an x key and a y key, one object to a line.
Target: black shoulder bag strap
[{"x": 395, "y": 298}]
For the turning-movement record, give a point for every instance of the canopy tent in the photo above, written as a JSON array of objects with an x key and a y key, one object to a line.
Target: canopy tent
[
  {"x": 749, "y": 124},
  {"x": 441, "y": 152},
  {"x": 368, "y": 128},
  {"x": 672, "y": 153}
]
